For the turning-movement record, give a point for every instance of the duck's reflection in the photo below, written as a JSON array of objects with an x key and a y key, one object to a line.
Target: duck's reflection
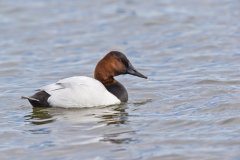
[
  {"x": 108, "y": 115},
  {"x": 39, "y": 116},
  {"x": 118, "y": 115},
  {"x": 105, "y": 122}
]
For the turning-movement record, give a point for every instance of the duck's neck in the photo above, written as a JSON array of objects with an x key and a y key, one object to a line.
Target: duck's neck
[
  {"x": 112, "y": 85},
  {"x": 118, "y": 90}
]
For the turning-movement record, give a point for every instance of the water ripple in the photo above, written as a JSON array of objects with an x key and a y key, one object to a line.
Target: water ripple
[{"x": 187, "y": 109}]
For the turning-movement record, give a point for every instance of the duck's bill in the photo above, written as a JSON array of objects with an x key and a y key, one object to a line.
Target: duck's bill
[{"x": 131, "y": 70}]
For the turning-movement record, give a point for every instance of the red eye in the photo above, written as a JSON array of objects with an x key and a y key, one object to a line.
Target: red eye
[{"x": 119, "y": 60}]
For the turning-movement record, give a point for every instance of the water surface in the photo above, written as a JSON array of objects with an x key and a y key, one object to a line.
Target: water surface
[{"x": 187, "y": 109}]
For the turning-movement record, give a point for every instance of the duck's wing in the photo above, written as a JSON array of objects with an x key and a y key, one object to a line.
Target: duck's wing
[
  {"x": 79, "y": 92},
  {"x": 65, "y": 83}
]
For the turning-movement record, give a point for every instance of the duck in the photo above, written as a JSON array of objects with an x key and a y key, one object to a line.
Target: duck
[{"x": 84, "y": 92}]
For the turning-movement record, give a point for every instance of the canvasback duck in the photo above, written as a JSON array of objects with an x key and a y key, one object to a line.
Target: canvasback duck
[{"x": 81, "y": 91}]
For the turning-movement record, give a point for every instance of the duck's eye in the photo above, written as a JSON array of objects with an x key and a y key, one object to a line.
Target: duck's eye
[
  {"x": 123, "y": 61},
  {"x": 119, "y": 60}
]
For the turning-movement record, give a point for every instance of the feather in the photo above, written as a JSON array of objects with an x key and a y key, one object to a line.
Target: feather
[
  {"x": 29, "y": 98},
  {"x": 79, "y": 92}
]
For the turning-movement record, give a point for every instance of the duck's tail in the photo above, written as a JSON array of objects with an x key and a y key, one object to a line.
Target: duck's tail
[
  {"x": 30, "y": 98},
  {"x": 39, "y": 99}
]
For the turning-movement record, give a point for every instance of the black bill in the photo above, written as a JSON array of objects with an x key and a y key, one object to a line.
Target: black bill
[{"x": 131, "y": 70}]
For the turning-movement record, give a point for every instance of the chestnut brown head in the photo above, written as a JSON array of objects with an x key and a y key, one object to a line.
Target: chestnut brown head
[{"x": 113, "y": 64}]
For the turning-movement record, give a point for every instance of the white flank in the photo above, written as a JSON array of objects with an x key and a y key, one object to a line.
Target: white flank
[{"x": 79, "y": 92}]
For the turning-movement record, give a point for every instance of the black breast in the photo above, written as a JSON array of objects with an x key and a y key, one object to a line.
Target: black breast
[{"x": 118, "y": 90}]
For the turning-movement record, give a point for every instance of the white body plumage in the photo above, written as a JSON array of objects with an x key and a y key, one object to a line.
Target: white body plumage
[{"x": 79, "y": 92}]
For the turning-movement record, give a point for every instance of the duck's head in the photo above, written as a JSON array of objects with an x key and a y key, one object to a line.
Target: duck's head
[{"x": 113, "y": 64}]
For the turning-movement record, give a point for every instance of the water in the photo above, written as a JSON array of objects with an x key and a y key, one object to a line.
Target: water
[{"x": 187, "y": 109}]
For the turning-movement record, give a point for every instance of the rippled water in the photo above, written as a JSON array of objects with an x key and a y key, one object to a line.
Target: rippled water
[{"x": 187, "y": 109}]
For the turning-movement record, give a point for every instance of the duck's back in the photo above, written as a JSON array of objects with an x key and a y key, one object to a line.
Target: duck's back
[{"x": 79, "y": 92}]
